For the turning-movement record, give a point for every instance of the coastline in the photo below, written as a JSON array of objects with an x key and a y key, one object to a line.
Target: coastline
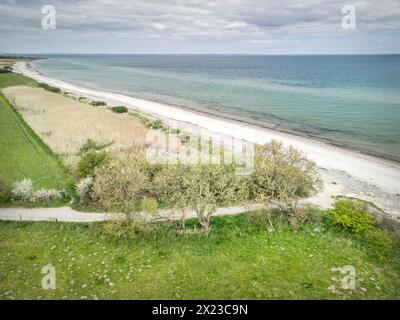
[{"x": 345, "y": 172}]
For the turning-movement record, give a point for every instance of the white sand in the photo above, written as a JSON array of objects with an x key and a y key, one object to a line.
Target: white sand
[{"x": 345, "y": 172}]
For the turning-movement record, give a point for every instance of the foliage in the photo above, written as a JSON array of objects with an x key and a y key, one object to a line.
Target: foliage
[
  {"x": 5, "y": 190},
  {"x": 282, "y": 175},
  {"x": 121, "y": 183},
  {"x": 147, "y": 122},
  {"x": 201, "y": 188},
  {"x": 83, "y": 188},
  {"x": 46, "y": 195},
  {"x": 184, "y": 138},
  {"x": 22, "y": 190},
  {"x": 93, "y": 145},
  {"x": 98, "y": 103},
  {"x": 352, "y": 216},
  {"x": 119, "y": 109},
  {"x": 89, "y": 162},
  {"x": 134, "y": 228},
  {"x": 148, "y": 205},
  {"x": 49, "y": 88}
]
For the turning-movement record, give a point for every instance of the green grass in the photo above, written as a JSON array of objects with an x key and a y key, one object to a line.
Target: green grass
[
  {"x": 237, "y": 259},
  {"x": 13, "y": 79},
  {"x": 24, "y": 155}
]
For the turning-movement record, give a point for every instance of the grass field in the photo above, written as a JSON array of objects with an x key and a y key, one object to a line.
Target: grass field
[
  {"x": 13, "y": 79},
  {"x": 237, "y": 259}
]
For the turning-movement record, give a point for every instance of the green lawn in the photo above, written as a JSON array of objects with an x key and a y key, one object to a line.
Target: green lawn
[
  {"x": 24, "y": 155},
  {"x": 237, "y": 259},
  {"x": 13, "y": 79}
]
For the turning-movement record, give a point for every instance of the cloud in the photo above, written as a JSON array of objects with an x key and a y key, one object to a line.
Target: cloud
[{"x": 192, "y": 21}]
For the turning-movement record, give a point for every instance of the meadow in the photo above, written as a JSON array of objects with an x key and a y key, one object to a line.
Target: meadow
[{"x": 238, "y": 259}]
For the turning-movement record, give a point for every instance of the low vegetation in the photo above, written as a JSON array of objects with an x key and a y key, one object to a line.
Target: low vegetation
[
  {"x": 241, "y": 257},
  {"x": 98, "y": 103},
  {"x": 49, "y": 88},
  {"x": 119, "y": 109}
]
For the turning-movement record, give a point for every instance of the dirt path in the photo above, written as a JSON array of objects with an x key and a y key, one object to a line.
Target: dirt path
[{"x": 66, "y": 214}]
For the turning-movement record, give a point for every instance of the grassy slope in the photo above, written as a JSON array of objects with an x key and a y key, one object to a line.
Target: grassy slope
[
  {"x": 13, "y": 79},
  {"x": 236, "y": 260},
  {"x": 23, "y": 154}
]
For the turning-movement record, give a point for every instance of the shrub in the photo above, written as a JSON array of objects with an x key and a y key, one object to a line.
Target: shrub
[
  {"x": 282, "y": 175},
  {"x": 352, "y": 216},
  {"x": 49, "y": 88},
  {"x": 46, "y": 195},
  {"x": 5, "y": 190},
  {"x": 90, "y": 161},
  {"x": 92, "y": 145},
  {"x": 22, "y": 190},
  {"x": 121, "y": 184},
  {"x": 119, "y": 109},
  {"x": 98, "y": 103},
  {"x": 83, "y": 188},
  {"x": 135, "y": 228},
  {"x": 149, "y": 205},
  {"x": 184, "y": 138},
  {"x": 201, "y": 188}
]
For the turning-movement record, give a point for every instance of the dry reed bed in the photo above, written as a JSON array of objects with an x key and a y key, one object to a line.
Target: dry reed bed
[{"x": 66, "y": 124}]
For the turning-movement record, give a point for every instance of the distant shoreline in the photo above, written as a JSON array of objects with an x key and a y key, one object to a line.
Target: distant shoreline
[{"x": 370, "y": 169}]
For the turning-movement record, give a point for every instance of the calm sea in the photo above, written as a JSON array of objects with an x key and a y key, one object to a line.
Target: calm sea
[{"x": 353, "y": 101}]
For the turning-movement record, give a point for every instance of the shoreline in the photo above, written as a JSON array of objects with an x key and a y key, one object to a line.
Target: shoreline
[{"x": 341, "y": 163}]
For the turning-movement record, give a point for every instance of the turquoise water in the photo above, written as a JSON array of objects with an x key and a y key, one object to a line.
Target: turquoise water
[{"x": 352, "y": 101}]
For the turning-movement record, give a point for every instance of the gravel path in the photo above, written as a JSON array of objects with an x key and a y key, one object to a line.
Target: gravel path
[{"x": 67, "y": 214}]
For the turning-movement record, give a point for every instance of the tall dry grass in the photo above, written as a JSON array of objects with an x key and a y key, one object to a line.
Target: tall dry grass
[{"x": 66, "y": 124}]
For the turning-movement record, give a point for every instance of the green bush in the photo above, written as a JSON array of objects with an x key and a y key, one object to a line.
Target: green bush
[
  {"x": 49, "y": 88},
  {"x": 98, "y": 103},
  {"x": 120, "y": 109},
  {"x": 92, "y": 145},
  {"x": 156, "y": 124},
  {"x": 5, "y": 70},
  {"x": 135, "y": 228},
  {"x": 352, "y": 216},
  {"x": 184, "y": 138},
  {"x": 90, "y": 161}
]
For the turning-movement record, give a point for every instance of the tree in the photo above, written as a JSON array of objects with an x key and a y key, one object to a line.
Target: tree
[
  {"x": 282, "y": 175},
  {"x": 120, "y": 184},
  {"x": 201, "y": 188}
]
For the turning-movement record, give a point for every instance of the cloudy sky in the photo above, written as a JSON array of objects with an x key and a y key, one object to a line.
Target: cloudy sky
[{"x": 200, "y": 26}]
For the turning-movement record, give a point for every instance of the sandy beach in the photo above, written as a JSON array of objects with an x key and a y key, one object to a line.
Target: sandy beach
[{"x": 345, "y": 172}]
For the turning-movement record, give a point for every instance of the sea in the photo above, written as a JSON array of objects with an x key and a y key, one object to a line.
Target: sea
[{"x": 352, "y": 101}]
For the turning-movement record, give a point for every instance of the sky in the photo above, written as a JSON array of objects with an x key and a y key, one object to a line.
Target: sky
[{"x": 200, "y": 26}]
